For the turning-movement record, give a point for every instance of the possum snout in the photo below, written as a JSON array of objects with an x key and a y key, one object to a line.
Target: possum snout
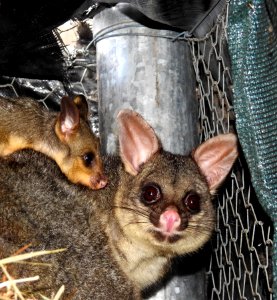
[
  {"x": 170, "y": 221},
  {"x": 98, "y": 181}
]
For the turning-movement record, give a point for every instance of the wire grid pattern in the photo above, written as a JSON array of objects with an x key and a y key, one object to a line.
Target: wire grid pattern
[{"x": 240, "y": 265}]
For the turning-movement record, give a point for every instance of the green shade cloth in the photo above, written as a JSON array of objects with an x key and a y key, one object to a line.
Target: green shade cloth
[{"x": 253, "y": 49}]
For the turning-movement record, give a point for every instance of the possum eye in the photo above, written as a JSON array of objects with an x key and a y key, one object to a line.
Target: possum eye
[
  {"x": 151, "y": 193},
  {"x": 88, "y": 158},
  {"x": 192, "y": 202}
]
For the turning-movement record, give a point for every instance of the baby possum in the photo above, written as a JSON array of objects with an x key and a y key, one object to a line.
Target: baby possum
[
  {"x": 65, "y": 137},
  {"x": 119, "y": 239}
]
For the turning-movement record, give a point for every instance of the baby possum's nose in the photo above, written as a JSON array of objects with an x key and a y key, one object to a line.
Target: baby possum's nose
[
  {"x": 170, "y": 220},
  {"x": 99, "y": 181}
]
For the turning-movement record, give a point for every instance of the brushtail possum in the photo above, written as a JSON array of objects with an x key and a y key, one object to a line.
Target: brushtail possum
[
  {"x": 65, "y": 136},
  {"x": 119, "y": 239}
]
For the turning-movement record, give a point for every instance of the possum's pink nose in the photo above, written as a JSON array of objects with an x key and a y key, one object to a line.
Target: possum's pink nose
[
  {"x": 170, "y": 220},
  {"x": 99, "y": 182}
]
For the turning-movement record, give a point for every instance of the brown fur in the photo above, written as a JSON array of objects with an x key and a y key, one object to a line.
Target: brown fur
[
  {"x": 25, "y": 123},
  {"x": 117, "y": 242}
]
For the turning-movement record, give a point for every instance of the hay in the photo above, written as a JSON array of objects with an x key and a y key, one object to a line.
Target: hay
[{"x": 9, "y": 288}]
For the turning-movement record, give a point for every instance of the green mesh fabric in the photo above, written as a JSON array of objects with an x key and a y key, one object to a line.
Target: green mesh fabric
[{"x": 253, "y": 48}]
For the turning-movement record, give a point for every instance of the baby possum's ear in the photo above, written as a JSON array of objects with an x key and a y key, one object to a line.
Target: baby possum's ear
[
  {"x": 137, "y": 140},
  {"x": 69, "y": 117},
  {"x": 215, "y": 158}
]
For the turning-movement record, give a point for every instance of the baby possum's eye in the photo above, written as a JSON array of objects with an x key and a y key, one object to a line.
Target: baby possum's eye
[
  {"x": 151, "y": 193},
  {"x": 88, "y": 158},
  {"x": 192, "y": 202}
]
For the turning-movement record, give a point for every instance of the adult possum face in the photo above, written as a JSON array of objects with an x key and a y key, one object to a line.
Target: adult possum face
[{"x": 170, "y": 208}]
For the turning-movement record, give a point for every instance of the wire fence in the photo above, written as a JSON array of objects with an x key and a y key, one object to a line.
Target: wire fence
[{"x": 240, "y": 266}]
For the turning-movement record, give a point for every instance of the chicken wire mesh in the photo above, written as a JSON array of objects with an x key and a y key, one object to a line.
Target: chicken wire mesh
[{"x": 240, "y": 266}]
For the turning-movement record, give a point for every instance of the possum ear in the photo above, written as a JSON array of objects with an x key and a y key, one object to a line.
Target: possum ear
[
  {"x": 137, "y": 141},
  {"x": 82, "y": 105},
  {"x": 215, "y": 158},
  {"x": 68, "y": 120}
]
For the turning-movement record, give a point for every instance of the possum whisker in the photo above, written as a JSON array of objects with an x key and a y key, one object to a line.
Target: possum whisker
[
  {"x": 141, "y": 209},
  {"x": 135, "y": 210},
  {"x": 204, "y": 226},
  {"x": 137, "y": 222},
  {"x": 204, "y": 231}
]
